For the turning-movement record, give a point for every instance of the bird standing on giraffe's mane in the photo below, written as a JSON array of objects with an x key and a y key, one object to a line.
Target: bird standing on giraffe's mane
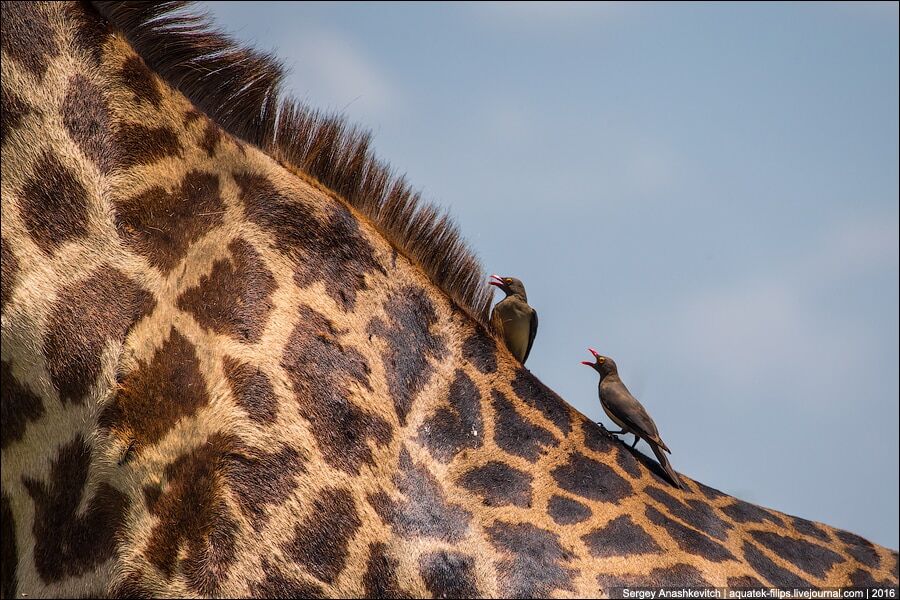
[
  {"x": 629, "y": 414},
  {"x": 514, "y": 318}
]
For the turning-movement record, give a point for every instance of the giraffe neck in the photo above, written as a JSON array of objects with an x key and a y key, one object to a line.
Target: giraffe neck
[{"x": 220, "y": 378}]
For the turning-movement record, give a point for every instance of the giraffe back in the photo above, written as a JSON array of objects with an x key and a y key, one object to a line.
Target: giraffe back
[{"x": 224, "y": 376}]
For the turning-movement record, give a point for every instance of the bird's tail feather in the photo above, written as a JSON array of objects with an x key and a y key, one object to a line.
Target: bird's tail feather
[{"x": 664, "y": 463}]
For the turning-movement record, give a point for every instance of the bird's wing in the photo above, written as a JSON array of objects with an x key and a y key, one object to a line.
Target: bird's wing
[
  {"x": 532, "y": 331},
  {"x": 627, "y": 408}
]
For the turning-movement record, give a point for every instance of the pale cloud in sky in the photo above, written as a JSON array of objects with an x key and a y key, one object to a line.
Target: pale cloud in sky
[
  {"x": 508, "y": 121},
  {"x": 864, "y": 244},
  {"x": 333, "y": 73},
  {"x": 772, "y": 322},
  {"x": 756, "y": 332},
  {"x": 649, "y": 167}
]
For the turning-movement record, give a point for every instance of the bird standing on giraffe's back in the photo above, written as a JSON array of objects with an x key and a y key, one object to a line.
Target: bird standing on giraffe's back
[
  {"x": 626, "y": 412},
  {"x": 514, "y": 318}
]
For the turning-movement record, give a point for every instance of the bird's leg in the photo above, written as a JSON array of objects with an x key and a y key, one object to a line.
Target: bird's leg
[
  {"x": 636, "y": 439},
  {"x": 616, "y": 432}
]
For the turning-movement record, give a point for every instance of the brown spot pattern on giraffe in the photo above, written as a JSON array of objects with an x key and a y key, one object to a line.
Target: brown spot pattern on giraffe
[
  {"x": 535, "y": 563},
  {"x": 252, "y": 390},
  {"x": 324, "y": 374},
  {"x": 276, "y": 584},
  {"x": 697, "y": 514},
  {"x": 90, "y": 30},
  {"x": 13, "y": 111},
  {"x": 195, "y": 531},
  {"x": 328, "y": 248},
  {"x": 138, "y": 144},
  {"x": 597, "y": 438},
  {"x": 69, "y": 542},
  {"x": 628, "y": 462},
  {"x": 810, "y": 528},
  {"x": 27, "y": 37},
  {"x": 161, "y": 225},
  {"x": 191, "y": 115},
  {"x": 53, "y": 204},
  {"x": 565, "y": 511},
  {"x": 764, "y": 567},
  {"x": 410, "y": 344},
  {"x": 86, "y": 118},
  {"x": 449, "y": 574},
  {"x": 678, "y": 575},
  {"x": 745, "y": 581},
  {"x": 812, "y": 558},
  {"x": 425, "y": 511},
  {"x": 711, "y": 493},
  {"x": 480, "y": 350},
  {"x": 235, "y": 297},
  {"x": 456, "y": 426},
  {"x": 601, "y": 441},
  {"x": 688, "y": 539},
  {"x": 10, "y": 554},
  {"x": 20, "y": 406},
  {"x": 537, "y": 395},
  {"x": 859, "y": 548},
  {"x": 135, "y": 76},
  {"x": 380, "y": 578},
  {"x": 620, "y": 537},
  {"x": 862, "y": 578},
  {"x": 320, "y": 543},
  {"x": 259, "y": 479},
  {"x": 9, "y": 271},
  {"x": 498, "y": 484},
  {"x": 211, "y": 137},
  {"x": 152, "y": 493},
  {"x": 156, "y": 395},
  {"x": 515, "y": 434},
  {"x": 744, "y": 512},
  {"x": 590, "y": 479},
  {"x": 84, "y": 318}
]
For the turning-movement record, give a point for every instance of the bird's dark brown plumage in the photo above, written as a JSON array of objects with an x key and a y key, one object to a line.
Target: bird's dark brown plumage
[
  {"x": 514, "y": 318},
  {"x": 628, "y": 413}
]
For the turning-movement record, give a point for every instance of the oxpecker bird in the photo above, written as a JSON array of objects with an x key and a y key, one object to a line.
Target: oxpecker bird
[
  {"x": 626, "y": 412},
  {"x": 514, "y": 318}
]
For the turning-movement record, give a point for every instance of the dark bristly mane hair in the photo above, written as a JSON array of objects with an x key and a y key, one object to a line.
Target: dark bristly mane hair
[{"x": 240, "y": 89}]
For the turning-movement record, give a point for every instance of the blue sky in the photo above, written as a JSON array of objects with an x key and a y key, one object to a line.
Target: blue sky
[{"x": 707, "y": 193}]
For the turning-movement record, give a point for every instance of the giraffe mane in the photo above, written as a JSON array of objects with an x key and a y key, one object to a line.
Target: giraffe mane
[{"x": 239, "y": 87}]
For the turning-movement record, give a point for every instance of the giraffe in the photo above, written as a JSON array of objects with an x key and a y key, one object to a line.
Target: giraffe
[{"x": 239, "y": 358}]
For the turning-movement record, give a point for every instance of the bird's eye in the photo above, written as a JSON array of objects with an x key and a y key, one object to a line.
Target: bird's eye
[{"x": 507, "y": 280}]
